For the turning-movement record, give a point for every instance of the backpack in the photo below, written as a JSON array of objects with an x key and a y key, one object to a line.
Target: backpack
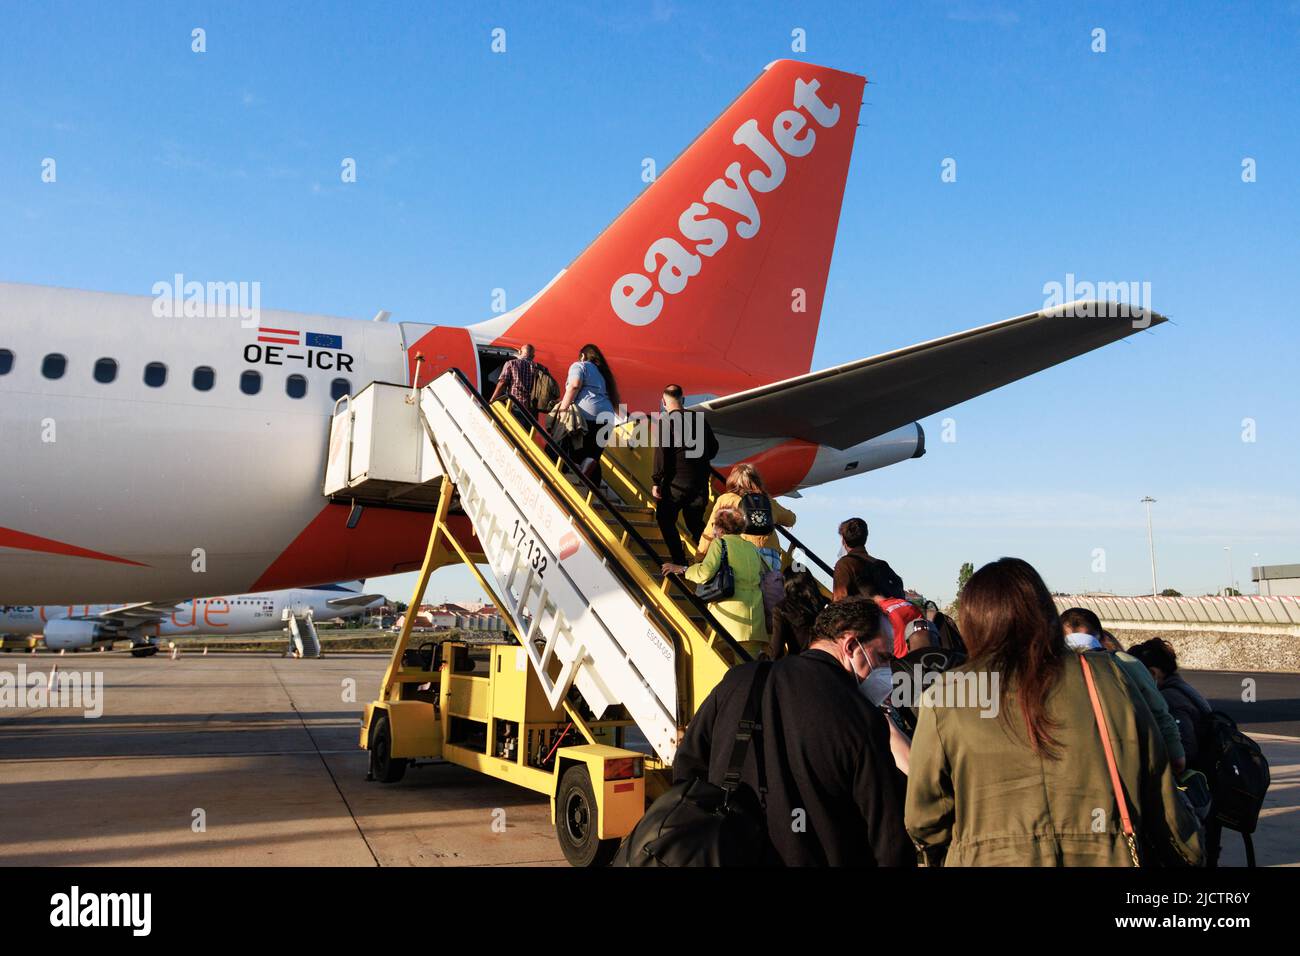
[
  {"x": 1239, "y": 775},
  {"x": 546, "y": 391},
  {"x": 881, "y": 577},
  {"x": 757, "y": 509},
  {"x": 900, "y": 614},
  {"x": 771, "y": 582},
  {"x": 949, "y": 637},
  {"x": 695, "y": 823}
]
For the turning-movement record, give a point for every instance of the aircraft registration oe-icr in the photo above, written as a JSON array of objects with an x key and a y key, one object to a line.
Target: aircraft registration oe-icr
[
  {"x": 76, "y": 626},
  {"x": 185, "y": 436}
]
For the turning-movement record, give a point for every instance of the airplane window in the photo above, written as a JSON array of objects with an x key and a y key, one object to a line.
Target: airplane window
[
  {"x": 340, "y": 387},
  {"x": 203, "y": 378},
  {"x": 155, "y": 374},
  {"x": 6, "y": 361},
  {"x": 250, "y": 383},
  {"x": 105, "y": 371},
  {"x": 295, "y": 386},
  {"x": 54, "y": 365}
]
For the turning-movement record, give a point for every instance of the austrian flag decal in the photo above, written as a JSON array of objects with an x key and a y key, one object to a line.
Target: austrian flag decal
[{"x": 311, "y": 340}]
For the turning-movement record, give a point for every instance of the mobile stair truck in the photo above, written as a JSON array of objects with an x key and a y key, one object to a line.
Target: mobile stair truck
[{"x": 606, "y": 661}]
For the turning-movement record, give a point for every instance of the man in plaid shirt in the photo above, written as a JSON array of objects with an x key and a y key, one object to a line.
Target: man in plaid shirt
[{"x": 517, "y": 377}]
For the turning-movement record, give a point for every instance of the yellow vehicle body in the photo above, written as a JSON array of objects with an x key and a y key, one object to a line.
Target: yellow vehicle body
[{"x": 496, "y": 720}]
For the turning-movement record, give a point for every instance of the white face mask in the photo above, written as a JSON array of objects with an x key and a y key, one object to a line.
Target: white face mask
[{"x": 878, "y": 686}]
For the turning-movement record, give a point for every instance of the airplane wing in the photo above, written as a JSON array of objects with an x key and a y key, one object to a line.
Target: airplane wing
[
  {"x": 116, "y": 621},
  {"x": 134, "y": 615},
  {"x": 355, "y": 600},
  {"x": 860, "y": 400}
]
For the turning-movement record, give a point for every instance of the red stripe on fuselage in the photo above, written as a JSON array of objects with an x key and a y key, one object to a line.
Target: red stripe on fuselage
[
  {"x": 22, "y": 541},
  {"x": 383, "y": 542}
]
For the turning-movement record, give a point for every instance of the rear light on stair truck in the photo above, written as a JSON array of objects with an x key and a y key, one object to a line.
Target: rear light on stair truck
[{"x": 627, "y": 768}]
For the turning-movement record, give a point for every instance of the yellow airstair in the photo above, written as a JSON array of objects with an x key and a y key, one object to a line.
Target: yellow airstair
[{"x": 607, "y": 660}]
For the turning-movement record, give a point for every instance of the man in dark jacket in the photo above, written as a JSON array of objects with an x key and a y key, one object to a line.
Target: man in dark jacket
[
  {"x": 834, "y": 796},
  {"x": 858, "y": 573},
  {"x": 682, "y": 468}
]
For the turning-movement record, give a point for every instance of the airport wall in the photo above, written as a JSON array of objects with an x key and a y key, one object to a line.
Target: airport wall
[{"x": 1246, "y": 633}]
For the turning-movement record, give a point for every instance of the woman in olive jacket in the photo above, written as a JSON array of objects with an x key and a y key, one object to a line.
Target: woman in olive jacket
[{"x": 1020, "y": 777}]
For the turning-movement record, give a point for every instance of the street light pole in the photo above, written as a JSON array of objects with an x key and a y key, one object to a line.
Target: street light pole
[
  {"x": 1228, "y": 548},
  {"x": 1151, "y": 545}
]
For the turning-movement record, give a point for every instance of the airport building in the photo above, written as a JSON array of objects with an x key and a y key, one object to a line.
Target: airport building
[
  {"x": 445, "y": 617},
  {"x": 1274, "y": 579}
]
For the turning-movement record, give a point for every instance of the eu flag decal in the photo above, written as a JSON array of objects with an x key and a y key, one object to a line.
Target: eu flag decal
[{"x": 319, "y": 340}]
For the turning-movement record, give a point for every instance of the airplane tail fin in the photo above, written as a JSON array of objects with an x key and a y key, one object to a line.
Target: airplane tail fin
[{"x": 718, "y": 267}]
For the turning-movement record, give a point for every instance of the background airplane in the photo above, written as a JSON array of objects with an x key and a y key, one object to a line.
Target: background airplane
[
  {"x": 141, "y": 443},
  {"x": 145, "y": 623}
]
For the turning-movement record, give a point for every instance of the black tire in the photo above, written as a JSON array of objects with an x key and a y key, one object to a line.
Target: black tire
[
  {"x": 576, "y": 822},
  {"x": 386, "y": 767}
]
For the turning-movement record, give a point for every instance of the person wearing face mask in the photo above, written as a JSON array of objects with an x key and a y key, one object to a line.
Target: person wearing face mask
[
  {"x": 833, "y": 796},
  {"x": 876, "y": 676}
]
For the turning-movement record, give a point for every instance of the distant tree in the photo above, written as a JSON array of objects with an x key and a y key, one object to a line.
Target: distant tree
[
  {"x": 1170, "y": 592},
  {"x": 963, "y": 575},
  {"x": 1231, "y": 592},
  {"x": 399, "y": 606}
]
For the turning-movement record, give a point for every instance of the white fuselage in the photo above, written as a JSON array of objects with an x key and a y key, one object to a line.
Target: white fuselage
[
  {"x": 231, "y": 614},
  {"x": 153, "y": 487},
  {"x": 175, "y": 489}
]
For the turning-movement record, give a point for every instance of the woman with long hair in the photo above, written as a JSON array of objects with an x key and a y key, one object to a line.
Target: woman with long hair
[
  {"x": 1008, "y": 763},
  {"x": 590, "y": 388},
  {"x": 793, "y": 618}
]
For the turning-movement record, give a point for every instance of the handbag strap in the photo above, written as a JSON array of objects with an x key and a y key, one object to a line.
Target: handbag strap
[
  {"x": 749, "y": 729},
  {"x": 1126, "y": 822}
]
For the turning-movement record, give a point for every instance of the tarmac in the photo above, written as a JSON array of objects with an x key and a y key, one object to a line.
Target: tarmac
[{"x": 252, "y": 759}]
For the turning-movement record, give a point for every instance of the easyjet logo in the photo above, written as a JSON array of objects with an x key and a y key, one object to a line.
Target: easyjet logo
[{"x": 638, "y": 297}]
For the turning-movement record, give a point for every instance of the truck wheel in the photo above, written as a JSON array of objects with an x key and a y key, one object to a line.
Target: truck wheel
[
  {"x": 387, "y": 768},
  {"x": 576, "y": 821}
]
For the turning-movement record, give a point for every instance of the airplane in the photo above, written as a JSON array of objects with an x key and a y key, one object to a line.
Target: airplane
[
  {"x": 144, "y": 624},
  {"x": 140, "y": 444}
]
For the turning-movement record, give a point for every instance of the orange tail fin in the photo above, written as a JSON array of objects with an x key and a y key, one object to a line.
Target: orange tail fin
[{"x": 718, "y": 269}]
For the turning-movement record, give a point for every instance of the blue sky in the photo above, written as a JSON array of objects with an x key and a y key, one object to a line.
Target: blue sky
[{"x": 479, "y": 170}]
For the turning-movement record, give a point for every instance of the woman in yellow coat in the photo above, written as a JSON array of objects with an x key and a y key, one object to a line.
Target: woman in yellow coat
[
  {"x": 744, "y": 479},
  {"x": 742, "y": 613}
]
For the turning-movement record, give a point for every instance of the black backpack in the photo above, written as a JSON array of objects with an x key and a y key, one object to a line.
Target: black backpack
[
  {"x": 695, "y": 823},
  {"x": 1238, "y": 771},
  {"x": 757, "y": 509}
]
